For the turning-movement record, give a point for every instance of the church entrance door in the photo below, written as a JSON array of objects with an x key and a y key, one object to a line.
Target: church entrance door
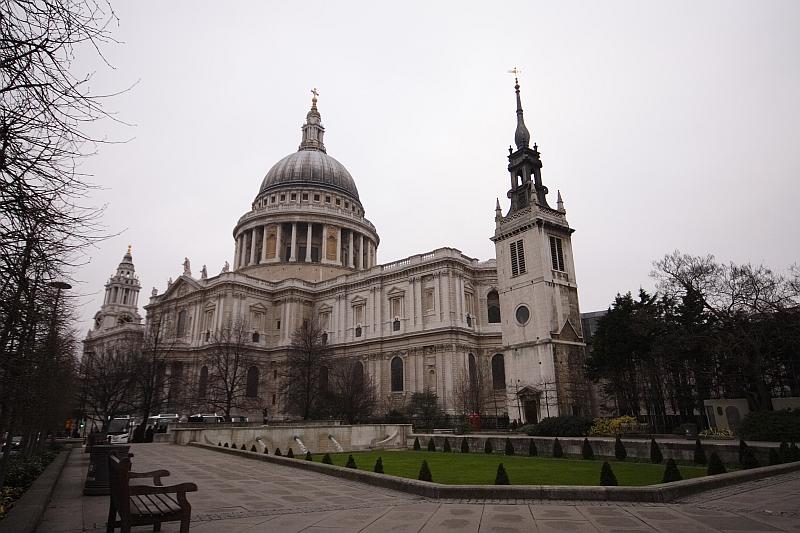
[{"x": 531, "y": 411}]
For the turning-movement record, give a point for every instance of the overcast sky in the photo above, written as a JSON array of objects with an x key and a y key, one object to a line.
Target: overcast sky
[{"x": 665, "y": 126}]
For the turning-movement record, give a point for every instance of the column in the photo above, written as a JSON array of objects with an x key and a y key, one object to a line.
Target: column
[
  {"x": 279, "y": 243},
  {"x": 236, "y": 255},
  {"x": 264, "y": 243},
  {"x": 323, "y": 249},
  {"x": 350, "y": 251},
  {"x": 339, "y": 246},
  {"x": 292, "y": 257},
  {"x": 361, "y": 251},
  {"x": 253, "y": 246},
  {"x": 308, "y": 242}
]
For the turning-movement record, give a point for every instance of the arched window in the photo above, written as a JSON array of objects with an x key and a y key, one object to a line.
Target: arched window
[
  {"x": 498, "y": 372},
  {"x": 473, "y": 373},
  {"x": 396, "y": 325},
  {"x": 493, "y": 305},
  {"x": 323, "y": 379},
  {"x": 252, "y": 382},
  {"x": 202, "y": 387},
  {"x": 181, "y": 330},
  {"x": 256, "y": 336},
  {"x": 397, "y": 374}
]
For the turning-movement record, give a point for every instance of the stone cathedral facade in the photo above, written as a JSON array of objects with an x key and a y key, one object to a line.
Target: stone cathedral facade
[{"x": 437, "y": 320}]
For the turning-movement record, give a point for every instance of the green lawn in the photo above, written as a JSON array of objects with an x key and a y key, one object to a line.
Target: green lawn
[{"x": 480, "y": 468}]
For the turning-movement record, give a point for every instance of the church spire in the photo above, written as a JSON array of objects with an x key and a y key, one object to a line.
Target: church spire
[
  {"x": 313, "y": 130},
  {"x": 522, "y": 136}
]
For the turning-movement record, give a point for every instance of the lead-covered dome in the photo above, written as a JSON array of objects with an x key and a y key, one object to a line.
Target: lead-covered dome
[
  {"x": 310, "y": 168},
  {"x": 310, "y": 165}
]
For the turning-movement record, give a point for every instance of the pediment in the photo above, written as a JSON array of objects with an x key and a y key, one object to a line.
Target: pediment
[
  {"x": 568, "y": 333},
  {"x": 259, "y": 308},
  {"x": 182, "y": 286},
  {"x": 395, "y": 292},
  {"x": 358, "y": 300},
  {"x": 325, "y": 308}
]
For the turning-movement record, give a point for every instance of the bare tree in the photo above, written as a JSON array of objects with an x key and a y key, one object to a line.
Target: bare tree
[
  {"x": 473, "y": 386},
  {"x": 232, "y": 370},
  {"x": 107, "y": 384},
  {"x": 308, "y": 356},
  {"x": 350, "y": 390}
]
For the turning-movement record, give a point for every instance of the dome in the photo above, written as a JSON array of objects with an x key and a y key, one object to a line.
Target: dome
[{"x": 312, "y": 168}]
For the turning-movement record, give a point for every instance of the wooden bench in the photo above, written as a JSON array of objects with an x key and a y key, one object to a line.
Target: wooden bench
[{"x": 142, "y": 505}]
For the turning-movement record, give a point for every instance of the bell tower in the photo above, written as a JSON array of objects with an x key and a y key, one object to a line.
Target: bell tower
[
  {"x": 540, "y": 318},
  {"x": 121, "y": 301}
]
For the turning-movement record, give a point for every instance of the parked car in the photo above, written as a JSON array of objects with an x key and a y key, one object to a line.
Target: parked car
[
  {"x": 206, "y": 418},
  {"x": 237, "y": 419},
  {"x": 159, "y": 422},
  {"x": 120, "y": 430}
]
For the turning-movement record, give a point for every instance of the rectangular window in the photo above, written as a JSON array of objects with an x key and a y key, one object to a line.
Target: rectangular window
[
  {"x": 428, "y": 300},
  {"x": 294, "y": 197},
  {"x": 283, "y": 197},
  {"x": 557, "y": 254},
  {"x": 396, "y": 305},
  {"x": 277, "y": 324},
  {"x": 338, "y": 201},
  {"x": 324, "y": 319},
  {"x": 305, "y": 196},
  {"x": 316, "y": 197},
  {"x": 517, "y": 258},
  {"x": 358, "y": 314},
  {"x": 327, "y": 199}
]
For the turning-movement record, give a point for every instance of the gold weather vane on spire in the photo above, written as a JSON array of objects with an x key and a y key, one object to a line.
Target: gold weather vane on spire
[
  {"x": 129, "y": 249},
  {"x": 516, "y": 72}
]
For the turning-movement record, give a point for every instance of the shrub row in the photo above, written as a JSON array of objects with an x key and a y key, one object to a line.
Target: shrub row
[{"x": 775, "y": 426}]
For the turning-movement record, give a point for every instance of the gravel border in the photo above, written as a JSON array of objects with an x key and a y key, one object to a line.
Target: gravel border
[{"x": 662, "y": 493}]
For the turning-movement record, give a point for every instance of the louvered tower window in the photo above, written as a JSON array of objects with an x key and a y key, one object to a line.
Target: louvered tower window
[
  {"x": 557, "y": 254},
  {"x": 517, "y": 258}
]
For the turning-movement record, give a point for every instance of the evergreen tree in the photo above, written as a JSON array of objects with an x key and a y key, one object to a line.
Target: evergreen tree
[
  {"x": 715, "y": 466},
  {"x": 326, "y": 459},
  {"x": 446, "y": 447},
  {"x": 502, "y": 477},
  {"x": 509, "y": 447},
  {"x": 425, "y": 472},
  {"x": 532, "y": 451},
  {"x": 488, "y": 447},
  {"x": 671, "y": 472},
  {"x": 774, "y": 457},
  {"x": 464, "y": 445},
  {"x": 226, "y": 445},
  {"x": 742, "y": 447},
  {"x": 278, "y": 452},
  {"x": 266, "y": 450},
  {"x": 290, "y": 453},
  {"x": 783, "y": 452},
  {"x": 243, "y": 447},
  {"x": 656, "y": 457},
  {"x": 587, "y": 452},
  {"x": 557, "y": 451},
  {"x": 351, "y": 463},
  {"x": 749, "y": 459},
  {"x": 607, "y": 477},
  {"x": 253, "y": 448},
  {"x": 619, "y": 450},
  {"x": 431, "y": 445},
  {"x": 233, "y": 445},
  {"x": 794, "y": 453},
  {"x": 416, "y": 444},
  {"x": 219, "y": 443},
  {"x": 309, "y": 457},
  {"x": 378, "y": 466},
  {"x": 699, "y": 453}
]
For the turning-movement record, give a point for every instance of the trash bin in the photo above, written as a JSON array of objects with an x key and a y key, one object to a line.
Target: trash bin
[{"x": 97, "y": 476}]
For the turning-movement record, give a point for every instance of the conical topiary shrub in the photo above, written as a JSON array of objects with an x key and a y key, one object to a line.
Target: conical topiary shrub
[
  {"x": 226, "y": 445},
  {"x": 509, "y": 447},
  {"x": 219, "y": 443},
  {"x": 557, "y": 451},
  {"x": 278, "y": 452},
  {"x": 774, "y": 457},
  {"x": 446, "y": 446},
  {"x": 378, "y": 466},
  {"x": 266, "y": 450},
  {"x": 416, "y": 444},
  {"x": 532, "y": 451},
  {"x": 464, "y": 445},
  {"x": 656, "y": 457},
  {"x": 351, "y": 463},
  {"x": 794, "y": 453},
  {"x": 326, "y": 459},
  {"x": 431, "y": 445},
  {"x": 607, "y": 477},
  {"x": 749, "y": 459},
  {"x": 233, "y": 445},
  {"x": 586, "y": 451},
  {"x": 671, "y": 472},
  {"x": 715, "y": 466},
  {"x": 699, "y": 453},
  {"x": 619, "y": 450},
  {"x": 290, "y": 453},
  {"x": 243, "y": 447},
  {"x": 488, "y": 447},
  {"x": 425, "y": 472},
  {"x": 502, "y": 476},
  {"x": 784, "y": 452},
  {"x": 309, "y": 457},
  {"x": 253, "y": 448}
]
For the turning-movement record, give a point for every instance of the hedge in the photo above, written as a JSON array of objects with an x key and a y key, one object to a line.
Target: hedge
[
  {"x": 775, "y": 426},
  {"x": 561, "y": 426}
]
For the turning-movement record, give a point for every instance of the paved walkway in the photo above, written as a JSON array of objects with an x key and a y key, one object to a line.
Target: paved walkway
[{"x": 238, "y": 495}]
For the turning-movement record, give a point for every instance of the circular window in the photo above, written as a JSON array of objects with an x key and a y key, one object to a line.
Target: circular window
[{"x": 523, "y": 315}]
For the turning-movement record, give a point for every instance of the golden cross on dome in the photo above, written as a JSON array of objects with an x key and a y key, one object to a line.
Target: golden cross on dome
[
  {"x": 129, "y": 249},
  {"x": 315, "y": 93}
]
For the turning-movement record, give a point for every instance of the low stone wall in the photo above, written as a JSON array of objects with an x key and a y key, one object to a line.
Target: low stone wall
[
  {"x": 314, "y": 437},
  {"x": 680, "y": 450}
]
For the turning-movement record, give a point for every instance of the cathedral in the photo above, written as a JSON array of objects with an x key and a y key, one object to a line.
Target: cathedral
[{"x": 500, "y": 337}]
